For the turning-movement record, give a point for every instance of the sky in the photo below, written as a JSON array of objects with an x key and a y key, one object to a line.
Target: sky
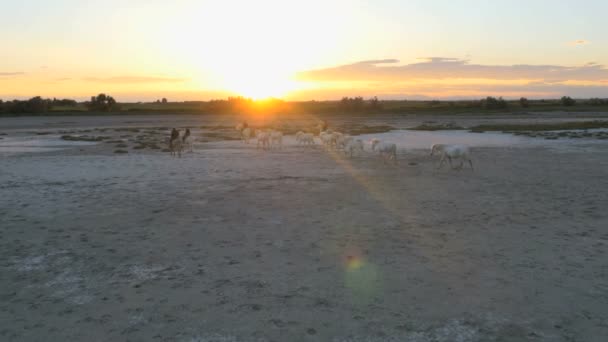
[{"x": 140, "y": 50}]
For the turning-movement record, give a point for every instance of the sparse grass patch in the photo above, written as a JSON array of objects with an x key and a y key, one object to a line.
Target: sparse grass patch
[
  {"x": 83, "y": 138},
  {"x": 364, "y": 129},
  {"x": 120, "y": 151},
  {"x": 371, "y": 129},
  {"x": 215, "y": 128},
  {"x": 436, "y": 127},
  {"x": 127, "y": 129}
]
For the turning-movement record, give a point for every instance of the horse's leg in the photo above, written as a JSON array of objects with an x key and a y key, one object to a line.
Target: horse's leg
[{"x": 441, "y": 162}]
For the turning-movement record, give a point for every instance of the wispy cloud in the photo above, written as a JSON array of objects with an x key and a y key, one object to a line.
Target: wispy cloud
[
  {"x": 134, "y": 79},
  {"x": 441, "y": 77},
  {"x": 9, "y": 74},
  {"x": 579, "y": 42},
  {"x": 453, "y": 68},
  {"x": 469, "y": 91}
]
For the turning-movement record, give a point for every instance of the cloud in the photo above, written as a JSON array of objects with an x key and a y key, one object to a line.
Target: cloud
[
  {"x": 441, "y": 59},
  {"x": 379, "y": 61},
  {"x": 579, "y": 42},
  {"x": 134, "y": 79},
  {"x": 453, "y": 68},
  {"x": 535, "y": 90},
  {"x": 9, "y": 74}
]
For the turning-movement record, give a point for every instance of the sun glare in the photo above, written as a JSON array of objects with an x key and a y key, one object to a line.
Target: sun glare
[
  {"x": 256, "y": 53},
  {"x": 258, "y": 85}
]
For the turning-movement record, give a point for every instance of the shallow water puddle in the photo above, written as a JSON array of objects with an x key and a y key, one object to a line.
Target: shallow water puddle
[
  {"x": 31, "y": 144},
  {"x": 406, "y": 139}
]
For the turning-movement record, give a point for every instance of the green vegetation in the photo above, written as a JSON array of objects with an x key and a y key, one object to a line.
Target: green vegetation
[
  {"x": 83, "y": 138},
  {"x": 357, "y": 129},
  {"x": 104, "y": 104},
  {"x": 494, "y": 103},
  {"x": 436, "y": 127},
  {"x": 567, "y": 101},
  {"x": 35, "y": 105},
  {"x": 561, "y": 126}
]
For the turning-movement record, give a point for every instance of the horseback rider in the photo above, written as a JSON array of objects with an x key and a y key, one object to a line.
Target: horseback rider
[{"x": 174, "y": 136}]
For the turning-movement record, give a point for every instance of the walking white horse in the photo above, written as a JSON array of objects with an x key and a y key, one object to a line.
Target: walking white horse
[{"x": 176, "y": 144}]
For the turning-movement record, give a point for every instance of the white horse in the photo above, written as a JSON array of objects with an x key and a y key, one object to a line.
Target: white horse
[
  {"x": 187, "y": 143},
  {"x": 450, "y": 152},
  {"x": 263, "y": 139},
  {"x": 246, "y": 135},
  {"x": 244, "y": 132},
  {"x": 176, "y": 146}
]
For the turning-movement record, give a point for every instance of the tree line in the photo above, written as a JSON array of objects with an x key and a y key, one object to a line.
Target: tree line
[
  {"x": 34, "y": 105},
  {"x": 106, "y": 103},
  {"x": 39, "y": 105}
]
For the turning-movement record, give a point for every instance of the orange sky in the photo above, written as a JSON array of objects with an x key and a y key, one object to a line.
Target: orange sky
[{"x": 199, "y": 50}]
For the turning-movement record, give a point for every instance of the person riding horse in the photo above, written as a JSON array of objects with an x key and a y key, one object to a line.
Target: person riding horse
[{"x": 174, "y": 136}]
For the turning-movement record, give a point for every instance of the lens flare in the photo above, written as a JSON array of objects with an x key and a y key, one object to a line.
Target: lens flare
[{"x": 362, "y": 278}]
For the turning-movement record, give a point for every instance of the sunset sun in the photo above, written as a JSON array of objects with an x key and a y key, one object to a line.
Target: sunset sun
[{"x": 257, "y": 84}]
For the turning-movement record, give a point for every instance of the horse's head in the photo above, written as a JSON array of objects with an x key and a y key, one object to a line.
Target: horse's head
[
  {"x": 374, "y": 142},
  {"x": 436, "y": 148}
]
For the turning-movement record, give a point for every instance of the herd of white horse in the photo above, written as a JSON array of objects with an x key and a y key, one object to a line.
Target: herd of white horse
[
  {"x": 350, "y": 146},
  {"x": 331, "y": 140}
]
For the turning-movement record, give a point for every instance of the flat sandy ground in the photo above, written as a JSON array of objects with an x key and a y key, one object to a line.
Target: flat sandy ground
[{"x": 232, "y": 243}]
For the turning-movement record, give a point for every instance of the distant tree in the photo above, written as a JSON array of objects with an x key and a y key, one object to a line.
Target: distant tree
[
  {"x": 374, "y": 103},
  {"x": 494, "y": 103},
  {"x": 597, "y": 101},
  {"x": 102, "y": 102},
  {"x": 64, "y": 102},
  {"x": 164, "y": 101},
  {"x": 353, "y": 104},
  {"x": 567, "y": 101},
  {"x": 524, "y": 102},
  {"x": 35, "y": 105}
]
